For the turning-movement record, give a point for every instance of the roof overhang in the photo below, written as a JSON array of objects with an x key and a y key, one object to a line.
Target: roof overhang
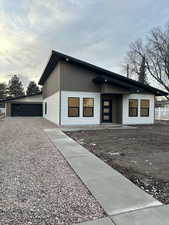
[
  {"x": 111, "y": 76},
  {"x": 110, "y": 81}
]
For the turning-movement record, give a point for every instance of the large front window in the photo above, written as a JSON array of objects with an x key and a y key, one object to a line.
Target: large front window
[
  {"x": 88, "y": 107},
  {"x": 133, "y": 107},
  {"x": 73, "y": 106}
]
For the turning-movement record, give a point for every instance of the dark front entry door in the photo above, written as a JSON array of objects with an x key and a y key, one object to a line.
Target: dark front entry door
[{"x": 106, "y": 110}]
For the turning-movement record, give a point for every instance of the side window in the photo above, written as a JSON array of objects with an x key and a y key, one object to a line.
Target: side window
[
  {"x": 145, "y": 108},
  {"x": 88, "y": 107},
  {"x": 133, "y": 107},
  {"x": 73, "y": 107},
  {"x": 45, "y": 107}
]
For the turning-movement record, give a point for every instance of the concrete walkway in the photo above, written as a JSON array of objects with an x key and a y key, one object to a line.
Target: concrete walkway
[
  {"x": 96, "y": 127},
  {"x": 150, "y": 216},
  {"x": 119, "y": 197}
]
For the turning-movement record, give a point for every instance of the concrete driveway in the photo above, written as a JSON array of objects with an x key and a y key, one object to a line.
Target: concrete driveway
[{"x": 37, "y": 186}]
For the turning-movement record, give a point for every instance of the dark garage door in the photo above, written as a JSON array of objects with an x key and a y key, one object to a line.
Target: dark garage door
[{"x": 26, "y": 110}]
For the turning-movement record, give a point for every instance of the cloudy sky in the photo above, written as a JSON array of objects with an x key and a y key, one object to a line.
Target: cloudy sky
[{"x": 98, "y": 31}]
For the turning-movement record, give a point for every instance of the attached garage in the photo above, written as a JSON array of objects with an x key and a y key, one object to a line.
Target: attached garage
[
  {"x": 26, "y": 109},
  {"x": 24, "y": 106}
]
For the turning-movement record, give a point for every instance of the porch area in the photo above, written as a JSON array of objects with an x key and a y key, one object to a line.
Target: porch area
[
  {"x": 111, "y": 109},
  {"x": 102, "y": 126}
]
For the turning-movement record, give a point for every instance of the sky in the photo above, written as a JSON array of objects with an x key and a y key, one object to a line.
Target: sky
[{"x": 97, "y": 31}]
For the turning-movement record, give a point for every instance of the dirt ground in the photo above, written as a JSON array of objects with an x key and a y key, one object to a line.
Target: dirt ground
[{"x": 141, "y": 154}]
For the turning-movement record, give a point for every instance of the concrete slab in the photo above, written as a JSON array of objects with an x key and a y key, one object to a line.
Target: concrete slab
[
  {"x": 115, "y": 193},
  {"x": 66, "y": 145},
  {"x": 104, "y": 221},
  {"x": 151, "y": 216},
  {"x": 95, "y": 127},
  {"x": 70, "y": 149}
]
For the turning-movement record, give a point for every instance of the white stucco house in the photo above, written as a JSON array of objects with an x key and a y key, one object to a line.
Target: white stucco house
[{"x": 79, "y": 93}]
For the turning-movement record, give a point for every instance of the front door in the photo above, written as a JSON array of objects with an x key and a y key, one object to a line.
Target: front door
[{"x": 106, "y": 110}]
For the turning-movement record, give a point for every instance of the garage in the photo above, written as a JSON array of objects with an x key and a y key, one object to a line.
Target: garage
[
  {"x": 31, "y": 105},
  {"x": 26, "y": 109}
]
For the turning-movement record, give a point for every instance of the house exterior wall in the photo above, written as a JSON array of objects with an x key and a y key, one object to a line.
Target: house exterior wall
[
  {"x": 112, "y": 89},
  {"x": 76, "y": 78},
  {"x": 69, "y": 80},
  {"x": 117, "y": 109},
  {"x": 52, "y": 84},
  {"x": 53, "y": 108},
  {"x": 65, "y": 120},
  {"x": 137, "y": 120},
  {"x": 8, "y": 109}
]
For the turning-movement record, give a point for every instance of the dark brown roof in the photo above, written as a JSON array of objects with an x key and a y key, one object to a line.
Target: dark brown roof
[{"x": 113, "y": 77}]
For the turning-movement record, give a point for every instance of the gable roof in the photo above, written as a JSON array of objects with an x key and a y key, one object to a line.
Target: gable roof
[
  {"x": 107, "y": 75},
  {"x": 19, "y": 97}
]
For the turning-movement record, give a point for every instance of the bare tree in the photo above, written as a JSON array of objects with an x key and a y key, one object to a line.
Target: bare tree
[
  {"x": 155, "y": 49},
  {"x": 134, "y": 57}
]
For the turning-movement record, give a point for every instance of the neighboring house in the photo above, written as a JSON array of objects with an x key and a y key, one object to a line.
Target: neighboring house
[
  {"x": 162, "y": 110},
  {"x": 24, "y": 105},
  {"x": 2, "y": 108},
  {"x": 162, "y": 103},
  {"x": 78, "y": 93}
]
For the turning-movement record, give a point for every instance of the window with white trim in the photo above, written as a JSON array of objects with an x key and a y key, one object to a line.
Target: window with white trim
[
  {"x": 144, "y": 107},
  {"x": 73, "y": 106},
  {"x": 133, "y": 107},
  {"x": 88, "y": 107}
]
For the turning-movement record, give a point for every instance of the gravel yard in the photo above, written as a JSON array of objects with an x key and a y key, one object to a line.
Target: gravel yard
[
  {"x": 37, "y": 186},
  {"x": 141, "y": 154}
]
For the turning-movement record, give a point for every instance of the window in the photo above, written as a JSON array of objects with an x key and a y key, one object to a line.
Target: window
[
  {"x": 88, "y": 107},
  {"x": 133, "y": 107},
  {"x": 144, "y": 110},
  {"x": 45, "y": 107},
  {"x": 73, "y": 107}
]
